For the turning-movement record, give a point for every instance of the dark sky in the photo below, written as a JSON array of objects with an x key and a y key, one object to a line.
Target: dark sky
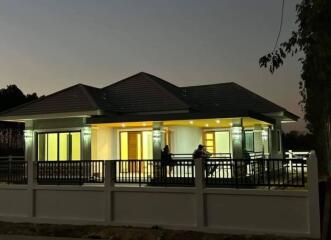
[{"x": 48, "y": 45}]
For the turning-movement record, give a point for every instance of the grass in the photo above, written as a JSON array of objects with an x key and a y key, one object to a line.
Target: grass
[{"x": 121, "y": 233}]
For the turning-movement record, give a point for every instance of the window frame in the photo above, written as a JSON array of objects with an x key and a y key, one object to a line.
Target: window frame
[{"x": 58, "y": 144}]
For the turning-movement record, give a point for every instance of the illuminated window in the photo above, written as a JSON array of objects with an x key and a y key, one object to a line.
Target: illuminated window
[
  {"x": 59, "y": 146},
  {"x": 136, "y": 145},
  {"x": 217, "y": 142},
  {"x": 210, "y": 142}
]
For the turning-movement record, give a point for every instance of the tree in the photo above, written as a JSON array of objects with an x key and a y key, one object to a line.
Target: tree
[
  {"x": 11, "y": 134},
  {"x": 12, "y": 96},
  {"x": 313, "y": 39}
]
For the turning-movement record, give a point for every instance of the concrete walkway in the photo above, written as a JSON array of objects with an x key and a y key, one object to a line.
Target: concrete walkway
[{"x": 19, "y": 237}]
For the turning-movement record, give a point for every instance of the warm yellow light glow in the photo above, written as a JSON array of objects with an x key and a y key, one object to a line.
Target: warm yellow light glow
[
  {"x": 147, "y": 145},
  {"x": 123, "y": 125},
  {"x": 124, "y": 145},
  {"x": 52, "y": 146},
  {"x": 207, "y": 125},
  {"x": 218, "y": 121},
  {"x": 144, "y": 124},
  {"x": 64, "y": 146},
  {"x": 75, "y": 146},
  {"x": 191, "y": 122}
]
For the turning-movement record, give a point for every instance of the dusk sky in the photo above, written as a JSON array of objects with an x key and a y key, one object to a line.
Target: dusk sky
[{"x": 46, "y": 46}]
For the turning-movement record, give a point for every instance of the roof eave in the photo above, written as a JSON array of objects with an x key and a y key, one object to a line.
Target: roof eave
[{"x": 23, "y": 118}]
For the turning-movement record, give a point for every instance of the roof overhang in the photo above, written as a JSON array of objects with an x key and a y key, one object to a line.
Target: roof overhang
[
  {"x": 114, "y": 118},
  {"x": 23, "y": 118},
  {"x": 284, "y": 116}
]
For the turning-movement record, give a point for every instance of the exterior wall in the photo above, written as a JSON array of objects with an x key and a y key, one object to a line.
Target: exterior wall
[
  {"x": 234, "y": 211},
  {"x": 185, "y": 139},
  {"x": 101, "y": 143}
]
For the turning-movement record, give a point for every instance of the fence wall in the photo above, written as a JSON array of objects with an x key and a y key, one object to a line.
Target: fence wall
[{"x": 236, "y": 211}]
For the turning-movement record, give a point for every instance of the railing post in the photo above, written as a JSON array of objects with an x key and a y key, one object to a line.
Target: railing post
[
  {"x": 313, "y": 190},
  {"x": 268, "y": 172},
  {"x": 110, "y": 168},
  {"x": 30, "y": 189},
  {"x": 236, "y": 172},
  {"x": 200, "y": 185}
]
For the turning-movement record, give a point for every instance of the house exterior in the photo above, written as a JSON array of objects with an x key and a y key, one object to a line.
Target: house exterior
[{"x": 135, "y": 117}]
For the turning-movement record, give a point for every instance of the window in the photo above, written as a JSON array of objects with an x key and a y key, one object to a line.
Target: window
[
  {"x": 217, "y": 142},
  {"x": 249, "y": 141},
  {"x": 59, "y": 146}
]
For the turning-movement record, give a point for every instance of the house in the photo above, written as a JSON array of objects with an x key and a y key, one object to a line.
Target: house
[{"x": 135, "y": 117}]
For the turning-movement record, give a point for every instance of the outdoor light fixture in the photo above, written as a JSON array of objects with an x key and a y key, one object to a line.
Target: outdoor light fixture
[
  {"x": 123, "y": 125},
  {"x": 157, "y": 136},
  {"x": 28, "y": 134},
  {"x": 144, "y": 124},
  {"x": 236, "y": 133},
  {"x": 86, "y": 131},
  {"x": 207, "y": 125},
  {"x": 218, "y": 121},
  {"x": 191, "y": 122}
]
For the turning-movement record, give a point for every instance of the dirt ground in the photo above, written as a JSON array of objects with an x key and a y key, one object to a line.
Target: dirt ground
[{"x": 120, "y": 233}]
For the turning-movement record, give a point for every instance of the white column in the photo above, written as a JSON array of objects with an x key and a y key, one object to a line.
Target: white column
[
  {"x": 86, "y": 143},
  {"x": 158, "y": 139},
  {"x": 237, "y": 133},
  {"x": 276, "y": 150}
]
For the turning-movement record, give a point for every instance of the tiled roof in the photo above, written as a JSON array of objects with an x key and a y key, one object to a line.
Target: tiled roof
[
  {"x": 228, "y": 97},
  {"x": 145, "y": 93},
  {"x": 78, "y": 98}
]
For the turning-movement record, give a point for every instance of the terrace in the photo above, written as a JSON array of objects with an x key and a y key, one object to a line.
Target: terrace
[{"x": 219, "y": 171}]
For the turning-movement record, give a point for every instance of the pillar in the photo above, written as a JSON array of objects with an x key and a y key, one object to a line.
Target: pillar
[
  {"x": 86, "y": 143},
  {"x": 158, "y": 139},
  {"x": 29, "y": 153},
  {"x": 276, "y": 149},
  {"x": 237, "y": 133}
]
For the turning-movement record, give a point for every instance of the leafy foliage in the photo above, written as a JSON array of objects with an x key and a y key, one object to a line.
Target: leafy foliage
[
  {"x": 12, "y": 96},
  {"x": 11, "y": 134},
  {"x": 313, "y": 38}
]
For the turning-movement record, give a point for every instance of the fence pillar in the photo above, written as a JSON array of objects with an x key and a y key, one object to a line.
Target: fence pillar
[
  {"x": 30, "y": 189},
  {"x": 312, "y": 179},
  {"x": 200, "y": 185},
  {"x": 108, "y": 185}
]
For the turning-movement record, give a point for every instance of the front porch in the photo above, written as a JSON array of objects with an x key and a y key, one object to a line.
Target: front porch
[{"x": 222, "y": 137}]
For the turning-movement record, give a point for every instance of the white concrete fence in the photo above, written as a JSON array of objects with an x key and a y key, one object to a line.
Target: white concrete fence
[{"x": 289, "y": 212}]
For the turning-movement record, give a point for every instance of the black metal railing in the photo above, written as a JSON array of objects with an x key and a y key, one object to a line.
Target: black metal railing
[
  {"x": 254, "y": 173},
  {"x": 179, "y": 172},
  {"x": 69, "y": 172},
  {"x": 13, "y": 172}
]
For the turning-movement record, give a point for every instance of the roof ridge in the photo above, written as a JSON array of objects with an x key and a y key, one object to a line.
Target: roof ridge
[
  {"x": 91, "y": 99},
  {"x": 257, "y": 95},
  {"x": 42, "y": 98},
  {"x": 150, "y": 77},
  {"x": 124, "y": 79},
  {"x": 37, "y": 100},
  {"x": 204, "y": 85}
]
